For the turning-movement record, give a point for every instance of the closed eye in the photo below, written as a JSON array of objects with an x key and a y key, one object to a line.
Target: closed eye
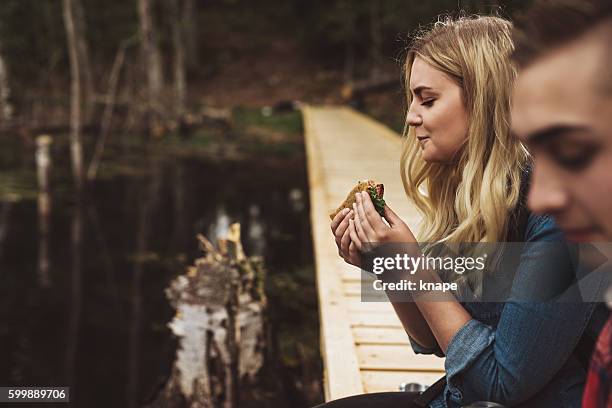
[
  {"x": 428, "y": 103},
  {"x": 573, "y": 156}
]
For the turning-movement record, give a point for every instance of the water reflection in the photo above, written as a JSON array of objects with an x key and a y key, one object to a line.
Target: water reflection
[
  {"x": 6, "y": 206},
  {"x": 257, "y": 229},
  {"x": 43, "y": 167},
  {"x": 297, "y": 200},
  {"x": 102, "y": 324},
  {"x": 72, "y": 340}
]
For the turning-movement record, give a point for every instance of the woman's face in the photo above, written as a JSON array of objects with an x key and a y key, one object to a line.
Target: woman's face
[{"x": 437, "y": 112}]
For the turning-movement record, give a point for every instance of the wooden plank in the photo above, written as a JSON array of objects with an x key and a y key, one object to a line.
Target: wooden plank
[
  {"x": 352, "y": 288},
  {"x": 351, "y": 276},
  {"x": 396, "y": 358},
  {"x": 374, "y": 319},
  {"x": 383, "y": 381},
  {"x": 356, "y": 305},
  {"x": 380, "y": 336},
  {"x": 342, "y": 376}
]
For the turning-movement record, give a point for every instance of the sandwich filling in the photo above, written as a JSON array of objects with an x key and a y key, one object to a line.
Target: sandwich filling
[{"x": 376, "y": 191}]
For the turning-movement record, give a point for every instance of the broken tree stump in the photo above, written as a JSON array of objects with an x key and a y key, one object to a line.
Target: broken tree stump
[{"x": 220, "y": 304}]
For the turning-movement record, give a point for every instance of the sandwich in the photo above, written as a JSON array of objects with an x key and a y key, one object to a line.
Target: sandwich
[{"x": 376, "y": 191}]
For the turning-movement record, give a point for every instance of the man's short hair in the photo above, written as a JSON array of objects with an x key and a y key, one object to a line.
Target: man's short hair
[{"x": 553, "y": 23}]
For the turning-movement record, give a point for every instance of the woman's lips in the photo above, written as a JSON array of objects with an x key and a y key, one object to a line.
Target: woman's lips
[{"x": 422, "y": 138}]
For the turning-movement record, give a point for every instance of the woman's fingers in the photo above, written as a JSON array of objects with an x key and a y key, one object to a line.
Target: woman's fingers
[
  {"x": 339, "y": 228},
  {"x": 391, "y": 216},
  {"x": 364, "y": 239},
  {"x": 354, "y": 254},
  {"x": 363, "y": 221},
  {"x": 338, "y": 219},
  {"x": 370, "y": 213},
  {"x": 344, "y": 243},
  {"x": 354, "y": 237}
]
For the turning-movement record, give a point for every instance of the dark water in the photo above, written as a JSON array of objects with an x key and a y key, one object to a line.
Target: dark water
[{"x": 96, "y": 321}]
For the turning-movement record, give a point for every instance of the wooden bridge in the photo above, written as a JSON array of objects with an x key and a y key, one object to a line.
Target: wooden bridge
[{"x": 364, "y": 347}]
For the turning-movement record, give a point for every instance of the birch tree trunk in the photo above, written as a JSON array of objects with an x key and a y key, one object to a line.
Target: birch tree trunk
[
  {"x": 76, "y": 147},
  {"x": 178, "y": 42},
  {"x": 83, "y": 49},
  {"x": 151, "y": 56}
]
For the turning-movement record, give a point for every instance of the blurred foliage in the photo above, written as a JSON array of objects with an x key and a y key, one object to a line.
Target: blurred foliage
[
  {"x": 34, "y": 42},
  {"x": 33, "y": 36},
  {"x": 202, "y": 137},
  {"x": 249, "y": 135},
  {"x": 287, "y": 122},
  {"x": 329, "y": 26},
  {"x": 20, "y": 184}
]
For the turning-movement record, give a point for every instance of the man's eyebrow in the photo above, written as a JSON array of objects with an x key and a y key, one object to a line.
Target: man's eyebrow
[{"x": 544, "y": 135}]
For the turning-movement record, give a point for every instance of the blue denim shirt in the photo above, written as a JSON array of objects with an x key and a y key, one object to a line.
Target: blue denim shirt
[{"x": 520, "y": 353}]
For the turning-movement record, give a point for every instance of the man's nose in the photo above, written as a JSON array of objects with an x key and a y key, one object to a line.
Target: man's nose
[
  {"x": 547, "y": 194},
  {"x": 413, "y": 118}
]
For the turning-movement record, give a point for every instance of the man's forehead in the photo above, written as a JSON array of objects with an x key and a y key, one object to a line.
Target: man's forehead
[{"x": 556, "y": 89}]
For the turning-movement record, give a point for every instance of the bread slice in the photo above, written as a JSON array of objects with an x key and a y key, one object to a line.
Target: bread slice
[{"x": 376, "y": 190}]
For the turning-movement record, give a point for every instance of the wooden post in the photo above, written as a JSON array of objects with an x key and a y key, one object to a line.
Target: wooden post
[{"x": 43, "y": 165}]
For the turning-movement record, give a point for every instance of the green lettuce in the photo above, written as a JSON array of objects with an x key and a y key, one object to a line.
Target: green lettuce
[{"x": 379, "y": 203}]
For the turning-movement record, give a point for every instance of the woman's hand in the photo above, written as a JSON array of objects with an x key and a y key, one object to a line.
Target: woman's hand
[
  {"x": 369, "y": 229},
  {"x": 346, "y": 247}
]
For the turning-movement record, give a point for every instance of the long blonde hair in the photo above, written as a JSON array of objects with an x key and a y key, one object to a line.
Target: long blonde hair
[{"x": 471, "y": 199}]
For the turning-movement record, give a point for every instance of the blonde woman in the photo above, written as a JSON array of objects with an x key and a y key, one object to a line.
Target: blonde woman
[{"x": 463, "y": 170}]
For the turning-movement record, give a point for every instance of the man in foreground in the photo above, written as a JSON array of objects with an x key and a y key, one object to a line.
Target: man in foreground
[{"x": 562, "y": 110}]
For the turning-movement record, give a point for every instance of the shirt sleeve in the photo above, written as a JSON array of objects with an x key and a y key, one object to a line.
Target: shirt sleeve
[
  {"x": 418, "y": 349},
  {"x": 532, "y": 341}
]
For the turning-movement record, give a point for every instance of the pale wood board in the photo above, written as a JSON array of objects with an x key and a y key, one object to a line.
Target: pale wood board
[
  {"x": 363, "y": 344},
  {"x": 376, "y": 335},
  {"x": 394, "y": 357},
  {"x": 382, "y": 381},
  {"x": 374, "y": 318}
]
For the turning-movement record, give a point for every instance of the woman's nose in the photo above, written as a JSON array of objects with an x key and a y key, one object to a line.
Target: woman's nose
[{"x": 413, "y": 118}]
